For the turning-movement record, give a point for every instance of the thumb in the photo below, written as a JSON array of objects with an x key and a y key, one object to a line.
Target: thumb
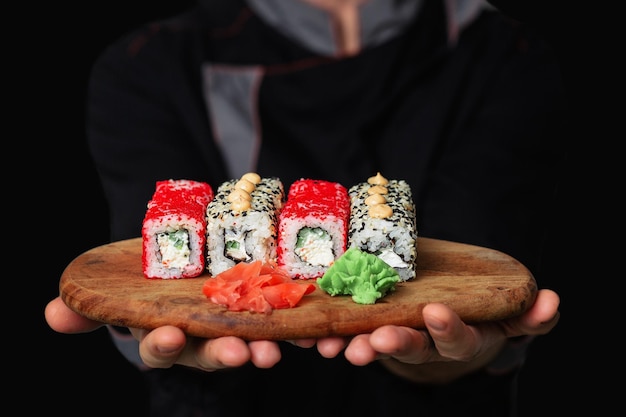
[{"x": 62, "y": 319}]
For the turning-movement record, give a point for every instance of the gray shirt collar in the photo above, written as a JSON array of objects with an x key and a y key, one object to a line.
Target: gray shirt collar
[{"x": 381, "y": 20}]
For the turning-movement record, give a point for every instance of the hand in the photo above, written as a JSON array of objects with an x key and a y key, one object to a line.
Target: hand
[
  {"x": 448, "y": 348},
  {"x": 168, "y": 345}
]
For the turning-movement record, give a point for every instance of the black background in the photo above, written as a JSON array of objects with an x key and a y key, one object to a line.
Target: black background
[{"x": 55, "y": 187}]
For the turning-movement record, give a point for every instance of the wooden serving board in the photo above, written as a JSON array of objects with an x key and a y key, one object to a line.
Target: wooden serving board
[{"x": 107, "y": 284}]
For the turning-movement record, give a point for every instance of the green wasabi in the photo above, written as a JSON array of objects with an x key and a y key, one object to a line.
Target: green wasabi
[{"x": 362, "y": 275}]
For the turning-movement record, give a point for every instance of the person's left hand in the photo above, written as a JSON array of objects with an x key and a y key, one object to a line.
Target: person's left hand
[{"x": 448, "y": 348}]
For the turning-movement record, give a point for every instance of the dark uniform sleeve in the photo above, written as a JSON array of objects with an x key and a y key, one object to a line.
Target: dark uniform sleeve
[{"x": 145, "y": 122}]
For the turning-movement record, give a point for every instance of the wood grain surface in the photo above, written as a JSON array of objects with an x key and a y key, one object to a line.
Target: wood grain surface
[{"x": 107, "y": 284}]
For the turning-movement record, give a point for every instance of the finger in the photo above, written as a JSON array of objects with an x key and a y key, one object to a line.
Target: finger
[
  {"x": 303, "y": 343},
  {"x": 540, "y": 319},
  {"x": 330, "y": 347},
  {"x": 359, "y": 351},
  {"x": 162, "y": 347},
  {"x": 220, "y": 353},
  {"x": 402, "y": 343},
  {"x": 264, "y": 354},
  {"x": 62, "y": 319},
  {"x": 453, "y": 338}
]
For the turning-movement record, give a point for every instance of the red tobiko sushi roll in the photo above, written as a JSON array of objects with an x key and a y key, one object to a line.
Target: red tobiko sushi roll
[
  {"x": 313, "y": 227},
  {"x": 174, "y": 229}
]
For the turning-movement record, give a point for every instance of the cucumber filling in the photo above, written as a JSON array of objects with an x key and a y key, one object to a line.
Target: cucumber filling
[
  {"x": 314, "y": 246},
  {"x": 174, "y": 248},
  {"x": 235, "y": 245}
]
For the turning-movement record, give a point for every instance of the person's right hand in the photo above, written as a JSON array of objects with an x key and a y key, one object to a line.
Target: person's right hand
[{"x": 166, "y": 346}]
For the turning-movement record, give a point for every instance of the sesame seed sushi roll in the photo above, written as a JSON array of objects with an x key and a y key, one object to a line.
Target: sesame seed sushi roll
[
  {"x": 174, "y": 230},
  {"x": 313, "y": 227},
  {"x": 242, "y": 221},
  {"x": 383, "y": 222}
]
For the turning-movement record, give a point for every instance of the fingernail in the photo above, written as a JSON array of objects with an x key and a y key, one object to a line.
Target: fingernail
[
  {"x": 166, "y": 350},
  {"x": 436, "y": 324}
]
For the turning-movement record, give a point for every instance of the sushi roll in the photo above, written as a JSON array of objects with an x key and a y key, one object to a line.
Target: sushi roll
[
  {"x": 242, "y": 221},
  {"x": 174, "y": 229},
  {"x": 383, "y": 222},
  {"x": 313, "y": 227}
]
